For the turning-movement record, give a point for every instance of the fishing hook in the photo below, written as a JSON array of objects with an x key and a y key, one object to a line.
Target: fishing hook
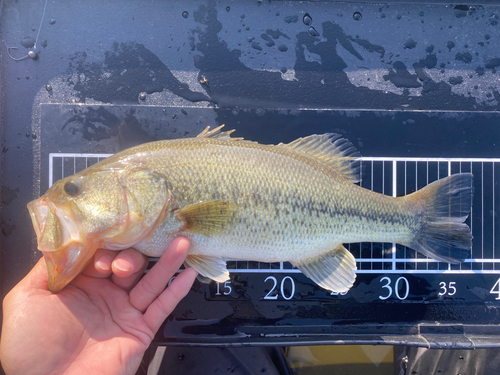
[{"x": 31, "y": 54}]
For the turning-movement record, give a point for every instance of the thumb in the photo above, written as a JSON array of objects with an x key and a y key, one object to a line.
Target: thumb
[{"x": 38, "y": 277}]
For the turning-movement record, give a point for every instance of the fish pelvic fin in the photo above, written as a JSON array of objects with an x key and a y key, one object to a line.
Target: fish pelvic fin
[
  {"x": 443, "y": 207},
  {"x": 209, "y": 268},
  {"x": 206, "y": 218},
  {"x": 333, "y": 271},
  {"x": 332, "y": 150}
]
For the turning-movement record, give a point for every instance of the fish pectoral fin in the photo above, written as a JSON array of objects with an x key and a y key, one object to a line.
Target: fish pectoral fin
[
  {"x": 333, "y": 271},
  {"x": 207, "y": 267},
  {"x": 206, "y": 218}
]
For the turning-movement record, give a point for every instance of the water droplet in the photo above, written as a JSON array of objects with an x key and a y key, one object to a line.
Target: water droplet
[
  {"x": 410, "y": 43},
  {"x": 256, "y": 46},
  {"x": 44, "y": 43},
  {"x": 185, "y": 14},
  {"x": 33, "y": 136},
  {"x": 259, "y": 3},
  {"x": 32, "y": 54},
  {"x": 181, "y": 357},
  {"x": 5, "y": 149},
  {"x": 307, "y": 19},
  {"x": 283, "y": 48},
  {"x": 52, "y": 21},
  {"x": 142, "y": 96},
  {"x": 28, "y": 135},
  {"x": 460, "y": 10},
  {"x": 313, "y": 31},
  {"x": 28, "y": 42},
  {"x": 228, "y": 9},
  {"x": 357, "y": 16},
  {"x": 48, "y": 87}
]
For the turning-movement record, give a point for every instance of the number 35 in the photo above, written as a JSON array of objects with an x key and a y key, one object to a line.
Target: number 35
[{"x": 448, "y": 290}]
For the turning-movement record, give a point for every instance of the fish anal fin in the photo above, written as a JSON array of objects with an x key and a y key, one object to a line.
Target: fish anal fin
[
  {"x": 208, "y": 267},
  {"x": 206, "y": 218},
  {"x": 333, "y": 271},
  {"x": 332, "y": 150}
]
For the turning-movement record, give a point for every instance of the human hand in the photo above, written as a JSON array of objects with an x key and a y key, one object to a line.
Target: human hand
[{"x": 100, "y": 323}]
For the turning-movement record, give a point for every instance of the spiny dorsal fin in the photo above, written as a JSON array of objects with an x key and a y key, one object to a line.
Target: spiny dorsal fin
[
  {"x": 216, "y": 133},
  {"x": 332, "y": 150}
]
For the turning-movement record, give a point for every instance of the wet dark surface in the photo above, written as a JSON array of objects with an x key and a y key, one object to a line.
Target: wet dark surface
[{"x": 400, "y": 80}]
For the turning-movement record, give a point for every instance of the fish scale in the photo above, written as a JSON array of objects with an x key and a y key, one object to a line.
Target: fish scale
[{"x": 238, "y": 199}]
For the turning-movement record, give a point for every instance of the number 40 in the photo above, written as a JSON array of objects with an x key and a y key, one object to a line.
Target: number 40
[{"x": 496, "y": 289}]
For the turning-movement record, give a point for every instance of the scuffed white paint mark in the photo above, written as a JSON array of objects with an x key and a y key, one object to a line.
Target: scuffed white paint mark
[
  {"x": 289, "y": 75},
  {"x": 191, "y": 79},
  {"x": 479, "y": 87}
]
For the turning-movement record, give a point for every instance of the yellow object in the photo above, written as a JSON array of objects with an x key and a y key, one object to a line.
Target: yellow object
[{"x": 332, "y": 358}]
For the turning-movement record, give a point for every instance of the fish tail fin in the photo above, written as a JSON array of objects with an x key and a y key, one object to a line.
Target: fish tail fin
[{"x": 443, "y": 207}]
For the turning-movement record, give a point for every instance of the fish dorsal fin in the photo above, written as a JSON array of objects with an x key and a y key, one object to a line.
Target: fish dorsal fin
[
  {"x": 331, "y": 150},
  {"x": 217, "y": 133}
]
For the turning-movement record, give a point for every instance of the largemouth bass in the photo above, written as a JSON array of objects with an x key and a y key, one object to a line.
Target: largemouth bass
[{"x": 233, "y": 198}]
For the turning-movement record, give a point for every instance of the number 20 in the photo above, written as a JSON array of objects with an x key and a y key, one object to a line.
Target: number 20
[{"x": 271, "y": 294}]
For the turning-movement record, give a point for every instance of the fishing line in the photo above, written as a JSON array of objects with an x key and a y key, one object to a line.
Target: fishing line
[{"x": 31, "y": 54}]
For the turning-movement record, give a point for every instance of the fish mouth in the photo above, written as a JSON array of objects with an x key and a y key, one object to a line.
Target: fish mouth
[
  {"x": 58, "y": 238},
  {"x": 64, "y": 264}
]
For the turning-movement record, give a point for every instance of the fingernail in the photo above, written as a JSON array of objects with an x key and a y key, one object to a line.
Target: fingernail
[
  {"x": 103, "y": 263},
  {"x": 122, "y": 265}
]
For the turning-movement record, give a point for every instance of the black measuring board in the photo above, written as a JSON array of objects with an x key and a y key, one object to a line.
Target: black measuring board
[
  {"x": 394, "y": 285},
  {"x": 413, "y": 85}
]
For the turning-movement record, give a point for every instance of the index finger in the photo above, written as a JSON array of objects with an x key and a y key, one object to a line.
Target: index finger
[{"x": 155, "y": 281}]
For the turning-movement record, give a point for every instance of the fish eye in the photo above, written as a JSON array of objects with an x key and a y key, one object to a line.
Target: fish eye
[{"x": 73, "y": 187}]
